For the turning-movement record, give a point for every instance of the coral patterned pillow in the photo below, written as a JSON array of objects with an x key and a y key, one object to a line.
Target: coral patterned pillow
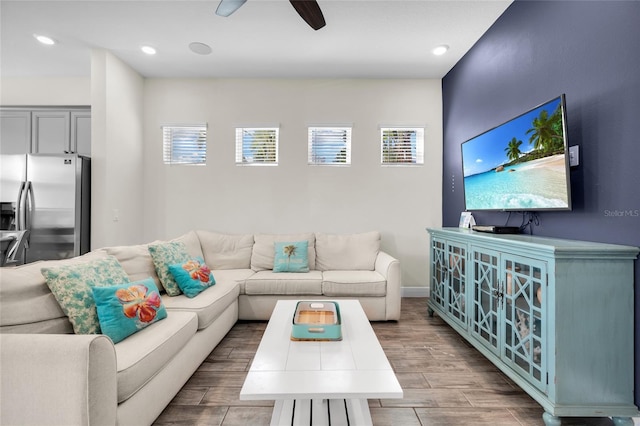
[
  {"x": 193, "y": 276},
  {"x": 128, "y": 308}
]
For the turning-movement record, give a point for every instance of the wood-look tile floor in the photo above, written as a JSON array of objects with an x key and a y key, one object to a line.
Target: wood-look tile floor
[{"x": 445, "y": 380}]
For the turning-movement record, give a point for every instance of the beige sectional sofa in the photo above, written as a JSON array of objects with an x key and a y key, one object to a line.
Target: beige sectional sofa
[{"x": 51, "y": 376}]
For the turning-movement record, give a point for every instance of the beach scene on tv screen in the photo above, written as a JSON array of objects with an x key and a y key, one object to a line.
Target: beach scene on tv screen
[{"x": 518, "y": 165}]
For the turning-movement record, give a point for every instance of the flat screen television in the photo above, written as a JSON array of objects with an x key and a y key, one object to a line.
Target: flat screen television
[{"x": 520, "y": 165}]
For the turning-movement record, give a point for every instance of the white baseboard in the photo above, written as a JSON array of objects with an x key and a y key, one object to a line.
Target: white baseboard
[{"x": 414, "y": 291}]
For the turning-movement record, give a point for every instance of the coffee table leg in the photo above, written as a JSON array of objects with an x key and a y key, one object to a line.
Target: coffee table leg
[
  {"x": 282, "y": 409},
  {"x": 359, "y": 413}
]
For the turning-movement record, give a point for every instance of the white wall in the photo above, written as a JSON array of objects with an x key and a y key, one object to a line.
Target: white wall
[
  {"x": 15, "y": 91},
  {"x": 293, "y": 197},
  {"x": 116, "y": 152},
  {"x": 156, "y": 201}
]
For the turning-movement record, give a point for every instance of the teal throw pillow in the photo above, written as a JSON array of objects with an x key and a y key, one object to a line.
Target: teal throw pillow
[
  {"x": 71, "y": 286},
  {"x": 127, "y": 308},
  {"x": 291, "y": 257},
  {"x": 193, "y": 276},
  {"x": 165, "y": 254}
]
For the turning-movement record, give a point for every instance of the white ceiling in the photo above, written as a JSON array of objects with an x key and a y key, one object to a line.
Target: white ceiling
[{"x": 264, "y": 38}]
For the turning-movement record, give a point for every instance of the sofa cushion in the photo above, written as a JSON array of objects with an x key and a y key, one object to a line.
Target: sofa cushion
[
  {"x": 165, "y": 254},
  {"x": 353, "y": 283},
  {"x": 263, "y": 254},
  {"x": 348, "y": 252},
  {"x": 136, "y": 261},
  {"x": 50, "y": 326},
  {"x": 142, "y": 355},
  {"x": 26, "y": 303},
  {"x": 126, "y": 309},
  {"x": 193, "y": 277},
  {"x": 71, "y": 286},
  {"x": 291, "y": 256},
  {"x": 208, "y": 305},
  {"x": 284, "y": 283},
  {"x": 226, "y": 251},
  {"x": 238, "y": 276},
  {"x": 191, "y": 240}
]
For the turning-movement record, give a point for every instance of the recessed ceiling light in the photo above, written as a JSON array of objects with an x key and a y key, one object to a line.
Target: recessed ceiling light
[
  {"x": 148, "y": 50},
  {"x": 200, "y": 48},
  {"x": 440, "y": 50},
  {"x": 44, "y": 39}
]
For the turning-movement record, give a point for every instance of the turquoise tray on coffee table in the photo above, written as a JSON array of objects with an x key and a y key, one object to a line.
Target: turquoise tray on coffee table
[{"x": 317, "y": 321}]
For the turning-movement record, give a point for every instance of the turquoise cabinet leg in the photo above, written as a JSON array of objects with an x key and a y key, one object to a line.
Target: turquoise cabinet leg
[
  {"x": 550, "y": 420},
  {"x": 430, "y": 312},
  {"x": 622, "y": 421}
]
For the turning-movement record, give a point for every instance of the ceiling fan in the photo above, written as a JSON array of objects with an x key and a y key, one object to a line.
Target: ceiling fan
[{"x": 309, "y": 10}]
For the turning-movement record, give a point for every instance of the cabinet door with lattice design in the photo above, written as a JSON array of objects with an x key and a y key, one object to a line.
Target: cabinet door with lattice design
[
  {"x": 456, "y": 296},
  {"x": 524, "y": 317},
  {"x": 485, "y": 297},
  {"x": 438, "y": 273}
]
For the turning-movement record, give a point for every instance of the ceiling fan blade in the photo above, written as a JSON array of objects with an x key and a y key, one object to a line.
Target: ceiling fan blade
[
  {"x": 310, "y": 11},
  {"x": 227, "y": 7}
]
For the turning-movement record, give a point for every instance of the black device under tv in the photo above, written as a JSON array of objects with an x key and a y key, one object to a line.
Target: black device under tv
[
  {"x": 521, "y": 165},
  {"x": 495, "y": 229}
]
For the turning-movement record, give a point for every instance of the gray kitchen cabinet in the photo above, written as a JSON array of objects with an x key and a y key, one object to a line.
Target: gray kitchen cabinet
[
  {"x": 45, "y": 130},
  {"x": 15, "y": 131},
  {"x": 81, "y": 132},
  {"x": 51, "y": 132}
]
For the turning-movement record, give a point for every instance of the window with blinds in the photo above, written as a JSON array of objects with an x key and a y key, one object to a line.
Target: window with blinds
[
  {"x": 402, "y": 145},
  {"x": 329, "y": 145},
  {"x": 184, "y": 144},
  {"x": 257, "y": 146}
]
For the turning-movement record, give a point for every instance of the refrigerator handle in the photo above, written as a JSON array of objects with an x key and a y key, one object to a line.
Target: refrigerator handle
[
  {"x": 29, "y": 202},
  {"x": 20, "y": 207}
]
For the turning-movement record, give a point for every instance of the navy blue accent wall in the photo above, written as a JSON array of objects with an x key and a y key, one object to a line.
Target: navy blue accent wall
[{"x": 589, "y": 50}]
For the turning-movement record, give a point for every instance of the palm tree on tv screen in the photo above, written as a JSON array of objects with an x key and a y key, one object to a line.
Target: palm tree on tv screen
[
  {"x": 513, "y": 149},
  {"x": 546, "y": 132}
]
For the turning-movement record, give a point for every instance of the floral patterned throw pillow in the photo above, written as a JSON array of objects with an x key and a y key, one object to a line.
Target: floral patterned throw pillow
[
  {"x": 71, "y": 286},
  {"x": 165, "y": 254},
  {"x": 128, "y": 308},
  {"x": 193, "y": 276}
]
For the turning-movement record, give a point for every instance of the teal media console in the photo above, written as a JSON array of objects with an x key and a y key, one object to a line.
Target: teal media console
[{"x": 554, "y": 315}]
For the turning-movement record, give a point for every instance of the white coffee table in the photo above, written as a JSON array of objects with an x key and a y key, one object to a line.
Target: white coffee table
[{"x": 320, "y": 383}]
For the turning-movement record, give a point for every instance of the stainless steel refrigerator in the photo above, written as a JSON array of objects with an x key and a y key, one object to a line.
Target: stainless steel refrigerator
[{"x": 50, "y": 196}]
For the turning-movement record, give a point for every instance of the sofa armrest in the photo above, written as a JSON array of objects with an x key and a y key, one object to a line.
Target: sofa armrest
[
  {"x": 57, "y": 379},
  {"x": 389, "y": 267}
]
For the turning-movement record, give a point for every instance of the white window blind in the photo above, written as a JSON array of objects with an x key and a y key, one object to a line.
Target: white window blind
[
  {"x": 330, "y": 145},
  {"x": 184, "y": 144},
  {"x": 257, "y": 145},
  {"x": 402, "y": 145}
]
